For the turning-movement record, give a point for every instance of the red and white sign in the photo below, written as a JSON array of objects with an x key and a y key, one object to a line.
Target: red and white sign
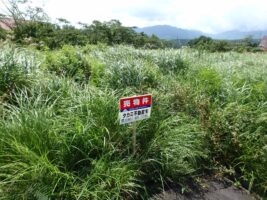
[{"x": 135, "y": 108}]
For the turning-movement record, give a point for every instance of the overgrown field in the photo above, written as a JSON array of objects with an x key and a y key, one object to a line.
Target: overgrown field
[{"x": 60, "y": 136}]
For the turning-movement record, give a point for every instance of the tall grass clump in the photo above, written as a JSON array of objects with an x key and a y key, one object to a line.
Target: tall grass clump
[
  {"x": 127, "y": 69},
  {"x": 209, "y": 81},
  {"x": 70, "y": 147},
  {"x": 60, "y": 136},
  {"x": 68, "y": 62},
  {"x": 3, "y": 34},
  {"x": 239, "y": 142},
  {"x": 236, "y": 86},
  {"x": 169, "y": 61},
  {"x": 176, "y": 151},
  {"x": 132, "y": 73},
  {"x": 17, "y": 67},
  {"x": 62, "y": 140}
]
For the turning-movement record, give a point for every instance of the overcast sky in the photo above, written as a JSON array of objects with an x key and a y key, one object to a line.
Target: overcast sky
[{"x": 211, "y": 16}]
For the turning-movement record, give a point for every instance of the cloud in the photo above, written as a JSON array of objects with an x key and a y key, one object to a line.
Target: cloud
[
  {"x": 205, "y": 15},
  {"x": 145, "y": 14}
]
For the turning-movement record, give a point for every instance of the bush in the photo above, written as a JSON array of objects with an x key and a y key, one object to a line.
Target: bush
[
  {"x": 176, "y": 150},
  {"x": 16, "y": 69},
  {"x": 70, "y": 147},
  {"x": 209, "y": 81},
  {"x": 132, "y": 74},
  {"x": 123, "y": 69},
  {"x": 170, "y": 63},
  {"x": 238, "y": 135},
  {"x": 68, "y": 62},
  {"x": 97, "y": 71},
  {"x": 2, "y": 34},
  {"x": 220, "y": 46},
  {"x": 62, "y": 140}
]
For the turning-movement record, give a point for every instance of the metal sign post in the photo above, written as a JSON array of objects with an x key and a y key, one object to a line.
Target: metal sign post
[
  {"x": 134, "y": 109},
  {"x": 134, "y": 137}
]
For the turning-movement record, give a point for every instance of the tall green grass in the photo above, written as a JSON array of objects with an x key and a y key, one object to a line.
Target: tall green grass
[
  {"x": 17, "y": 68},
  {"x": 61, "y": 138}
]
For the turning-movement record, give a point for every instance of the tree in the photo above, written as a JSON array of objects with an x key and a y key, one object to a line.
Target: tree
[
  {"x": 28, "y": 21},
  {"x": 15, "y": 12},
  {"x": 220, "y": 46},
  {"x": 208, "y": 44},
  {"x": 32, "y": 26},
  {"x": 201, "y": 42},
  {"x": 100, "y": 32}
]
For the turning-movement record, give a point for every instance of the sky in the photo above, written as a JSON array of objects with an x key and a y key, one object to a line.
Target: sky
[{"x": 211, "y": 16}]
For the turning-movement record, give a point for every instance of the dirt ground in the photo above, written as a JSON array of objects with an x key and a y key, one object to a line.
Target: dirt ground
[{"x": 213, "y": 190}]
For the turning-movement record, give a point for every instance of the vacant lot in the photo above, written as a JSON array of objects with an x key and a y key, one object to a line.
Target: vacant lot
[{"x": 60, "y": 136}]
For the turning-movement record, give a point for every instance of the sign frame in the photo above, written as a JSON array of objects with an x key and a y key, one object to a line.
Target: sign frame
[{"x": 135, "y": 108}]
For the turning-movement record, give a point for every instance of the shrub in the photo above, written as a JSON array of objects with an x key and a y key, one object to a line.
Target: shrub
[
  {"x": 62, "y": 140},
  {"x": 176, "y": 150},
  {"x": 69, "y": 148},
  {"x": 97, "y": 71},
  {"x": 2, "y": 34},
  {"x": 68, "y": 62},
  {"x": 170, "y": 63},
  {"x": 131, "y": 73},
  {"x": 238, "y": 135},
  {"x": 209, "y": 81},
  {"x": 16, "y": 69},
  {"x": 220, "y": 46}
]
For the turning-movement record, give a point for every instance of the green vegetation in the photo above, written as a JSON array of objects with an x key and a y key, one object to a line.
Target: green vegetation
[
  {"x": 61, "y": 138},
  {"x": 68, "y": 62},
  {"x": 17, "y": 69},
  {"x": 208, "y": 44},
  {"x": 2, "y": 34},
  {"x": 31, "y": 26},
  {"x": 60, "y": 86},
  {"x": 47, "y": 35}
]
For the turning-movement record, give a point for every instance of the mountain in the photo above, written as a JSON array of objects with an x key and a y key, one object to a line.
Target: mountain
[
  {"x": 237, "y": 35},
  {"x": 170, "y": 33}
]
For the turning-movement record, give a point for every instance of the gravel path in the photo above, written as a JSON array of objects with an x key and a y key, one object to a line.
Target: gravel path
[{"x": 214, "y": 190}]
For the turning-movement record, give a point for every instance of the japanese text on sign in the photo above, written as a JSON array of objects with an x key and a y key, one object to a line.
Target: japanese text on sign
[{"x": 135, "y": 108}]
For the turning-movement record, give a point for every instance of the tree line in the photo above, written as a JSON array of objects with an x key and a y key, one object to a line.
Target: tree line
[
  {"x": 204, "y": 43},
  {"x": 32, "y": 26}
]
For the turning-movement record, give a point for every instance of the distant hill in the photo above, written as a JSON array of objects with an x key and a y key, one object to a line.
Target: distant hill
[
  {"x": 237, "y": 35},
  {"x": 171, "y": 33}
]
